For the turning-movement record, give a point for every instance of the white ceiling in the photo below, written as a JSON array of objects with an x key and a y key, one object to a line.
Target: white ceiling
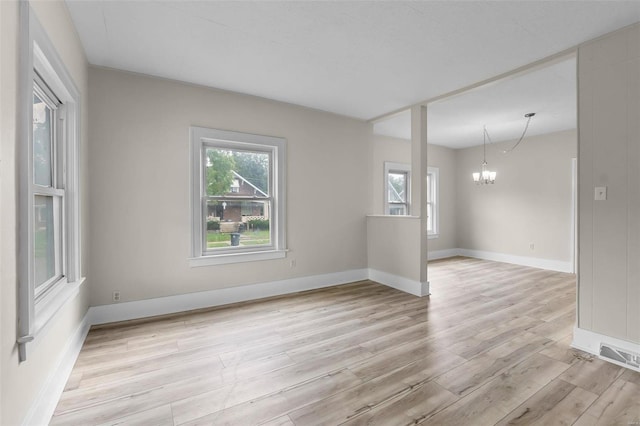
[
  {"x": 457, "y": 122},
  {"x": 356, "y": 58}
]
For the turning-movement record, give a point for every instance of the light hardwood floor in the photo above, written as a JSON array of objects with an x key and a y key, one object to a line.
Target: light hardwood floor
[{"x": 489, "y": 346}]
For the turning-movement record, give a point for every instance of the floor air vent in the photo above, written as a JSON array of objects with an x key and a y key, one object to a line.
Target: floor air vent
[{"x": 620, "y": 356}]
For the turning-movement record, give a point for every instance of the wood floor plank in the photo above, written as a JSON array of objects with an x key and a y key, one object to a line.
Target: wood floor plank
[
  {"x": 411, "y": 408},
  {"x": 86, "y": 397},
  {"x": 386, "y": 386},
  {"x": 216, "y": 409},
  {"x": 116, "y": 358},
  {"x": 159, "y": 416},
  {"x": 238, "y": 392},
  {"x": 490, "y": 403},
  {"x": 592, "y": 375},
  {"x": 562, "y": 351},
  {"x": 558, "y": 403},
  {"x": 558, "y": 328},
  {"x": 479, "y": 370},
  {"x": 280, "y": 421},
  {"x": 631, "y": 376},
  {"x": 490, "y": 345},
  {"x": 618, "y": 405},
  {"x": 404, "y": 355},
  {"x": 492, "y": 337},
  {"x": 348, "y": 340},
  {"x": 103, "y": 374},
  {"x": 112, "y": 410}
]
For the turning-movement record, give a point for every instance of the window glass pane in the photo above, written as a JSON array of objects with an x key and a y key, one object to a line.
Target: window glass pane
[
  {"x": 44, "y": 256},
  {"x": 42, "y": 142},
  {"x": 397, "y": 187},
  {"x": 429, "y": 217},
  {"x": 398, "y": 210},
  {"x": 237, "y": 223},
  {"x": 235, "y": 172}
]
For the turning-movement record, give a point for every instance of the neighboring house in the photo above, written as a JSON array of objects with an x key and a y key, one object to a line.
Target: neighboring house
[{"x": 241, "y": 210}]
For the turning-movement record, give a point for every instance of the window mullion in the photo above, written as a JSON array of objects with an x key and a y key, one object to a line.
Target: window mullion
[
  {"x": 235, "y": 198},
  {"x": 46, "y": 191}
]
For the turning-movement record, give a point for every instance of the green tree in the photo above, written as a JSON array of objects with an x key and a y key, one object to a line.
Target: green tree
[
  {"x": 220, "y": 164},
  {"x": 397, "y": 182},
  {"x": 254, "y": 167}
]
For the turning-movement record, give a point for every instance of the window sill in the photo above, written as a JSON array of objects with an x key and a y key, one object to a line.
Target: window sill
[
  {"x": 51, "y": 304},
  {"x": 433, "y": 236},
  {"x": 223, "y": 259},
  {"x": 394, "y": 216}
]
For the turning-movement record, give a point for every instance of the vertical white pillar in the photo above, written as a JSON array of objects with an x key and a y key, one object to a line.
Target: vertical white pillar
[{"x": 419, "y": 183}]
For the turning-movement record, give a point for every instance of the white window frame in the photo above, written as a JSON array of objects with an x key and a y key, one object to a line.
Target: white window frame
[
  {"x": 200, "y": 139},
  {"x": 391, "y": 167},
  {"x": 434, "y": 181},
  {"x": 57, "y": 189},
  {"x": 40, "y": 61}
]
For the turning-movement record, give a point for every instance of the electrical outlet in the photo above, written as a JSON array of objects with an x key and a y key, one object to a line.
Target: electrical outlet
[
  {"x": 292, "y": 263},
  {"x": 532, "y": 246},
  {"x": 600, "y": 193},
  {"x": 116, "y": 296}
]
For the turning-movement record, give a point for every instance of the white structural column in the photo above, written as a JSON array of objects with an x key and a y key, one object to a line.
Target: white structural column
[
  {"x": 397, "y": 245},
  {"x": 419, "y": 183}
]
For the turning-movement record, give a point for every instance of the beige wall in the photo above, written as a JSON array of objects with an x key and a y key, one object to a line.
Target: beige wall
[
  {"x": 392, "y": 245},
  {"x": 529, "y": 203},
  {"x": 21, "y": 383},
  {"x": 386, "y": 148},
  {"x": 609, "y": 111},
  {"x": 139, "y": 162}
]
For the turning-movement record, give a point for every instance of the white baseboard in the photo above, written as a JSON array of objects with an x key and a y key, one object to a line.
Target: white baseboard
[
  {"x": 45, "y": 403},
  {"x": 442, "y": 254},
  {"x": 407, "y": 285},
  {"x": 186, "y": 302},
  {"x": 590, "y": 341},
  {"x": 205, "y": 299},
  {"x": 534, "y": 262}
]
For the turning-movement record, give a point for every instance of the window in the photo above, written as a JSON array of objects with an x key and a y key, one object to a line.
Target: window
[
  {"x": 237, "y": 197},
  {"x": 47, "y": 188},
  {"x": 49, "y": 228},
  {"x": 397, "y": 194},
  {"x": 432, "y": 202}
]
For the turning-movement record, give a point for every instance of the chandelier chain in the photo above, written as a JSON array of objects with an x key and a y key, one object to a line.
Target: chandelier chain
[
  {"x": 485, "y": 176},
  {"x": 524, "y": 132}
]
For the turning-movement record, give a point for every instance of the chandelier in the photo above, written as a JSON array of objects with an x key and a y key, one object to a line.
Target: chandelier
[{"x": 486, "y": 176}]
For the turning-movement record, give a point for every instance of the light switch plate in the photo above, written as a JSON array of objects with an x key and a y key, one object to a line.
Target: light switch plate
[{"x": 600, "y": 193}]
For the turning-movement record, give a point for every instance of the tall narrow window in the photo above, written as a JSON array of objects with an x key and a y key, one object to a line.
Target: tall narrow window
[
  {"x": 397, "y": 193},
  {"x": 47, "y": 190},
  {"x": 237, "y": 197},
  {"x": 49, "y": 225},
  {"x": 432, "y": 202}
]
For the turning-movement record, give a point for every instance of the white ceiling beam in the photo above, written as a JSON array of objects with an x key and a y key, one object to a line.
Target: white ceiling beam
[{"x": 542, "y": 63}]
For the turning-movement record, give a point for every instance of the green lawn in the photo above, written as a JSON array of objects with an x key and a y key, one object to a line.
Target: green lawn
[{"x": 248, "y": 238}]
